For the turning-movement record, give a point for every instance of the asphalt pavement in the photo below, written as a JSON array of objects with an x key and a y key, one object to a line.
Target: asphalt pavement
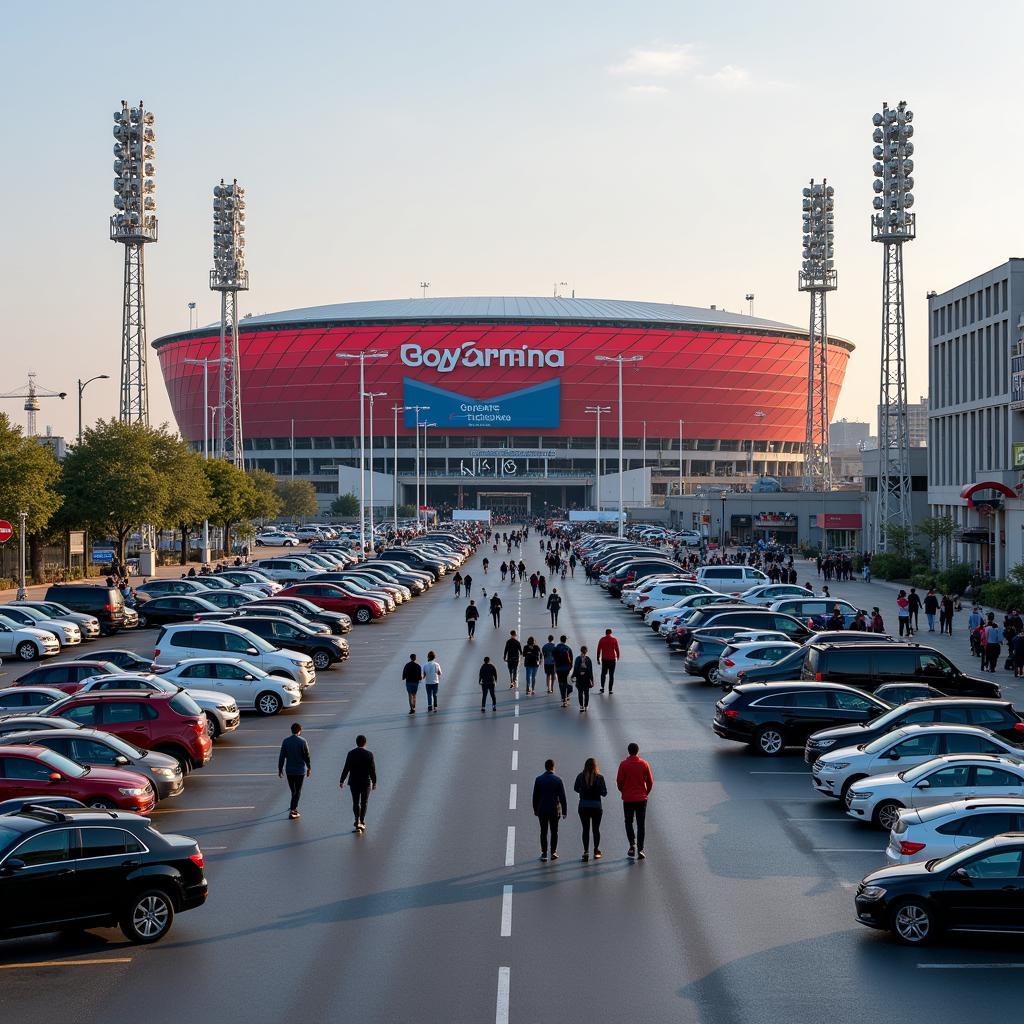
[{"x": 442, "y": 912}]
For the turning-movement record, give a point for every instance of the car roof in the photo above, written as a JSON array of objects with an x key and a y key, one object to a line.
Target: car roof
[
  {"x": 914, "y": 727},
  {"x": 977, "y": 759},
  {"x": 801, "y": 684},
  {"x": 32, "y": 689},
  {"x": 29, "y": 818},
  {"x": 120, "y": 695},
  {"x": 943, "y": 702}
]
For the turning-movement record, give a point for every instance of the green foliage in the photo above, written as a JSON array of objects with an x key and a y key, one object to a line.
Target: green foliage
[
  {"x": 1016, "y": 574},
  {"x": 345, "y": 505},
  {"x": 936, "y": 530},
  {"x": 957, "y": 577},
  {"x": 404, "y": 511},
  {"x": 297, "y": 497},
  {"x": 263, "y": 500},
  {"x": 1003, "y": 594},
  {"x": 28, "y": 479},
  {"x": 889, "y": 566}
]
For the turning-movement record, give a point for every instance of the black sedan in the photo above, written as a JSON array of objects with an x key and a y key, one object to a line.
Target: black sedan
[
  {"x": 129, "y": 661},
  {"x": 83, "y": 869},
  {"x": 979, "y": 888},
  {"x": 161, "y": 611},
  {"x": 324, "y": 650},
  {"x": 227, "y": 599},
  {"x": 338, "y": 622}
]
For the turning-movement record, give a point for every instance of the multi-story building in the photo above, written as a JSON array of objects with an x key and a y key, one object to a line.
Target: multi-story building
[
  {"x": 917, "y": 422},
  {"x": 846, "y": 435}
]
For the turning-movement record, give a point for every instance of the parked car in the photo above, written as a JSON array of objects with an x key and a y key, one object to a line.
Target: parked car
[
  {"x": 180, "y": 608},
  {"x": 22, "y": 700},
  {"x": 767, "y": 594},
  {"x": 125, "y": 873},
  {"x": 106, "y": 603},
  {"x": 942, "y": 829},
  {"x": 67, "y": 676},
  {"x": 742, "y": 654},
  {"x": 276, "y": 540},
  {"x": 99, "y": 749},
  {"x": 817, "y": 611},
  {"x": 903, "y": 693},
  {"x": 772, "y": 716},
  {"x": 707, "y": 647},
  {"x": 127, "y": 660},
  {"x": 879, "y": 799},
  {"x": 168, "y": 588},
  {"x": 32, "y": 722},
  {"x": 792, "y": 666},
  {"x": 258, "y": 611},
  {"x": 339, "y": 623},
  {"x": 737, "y": 615},
  {"x": 18, "y": 804},
  {"x": 331, "y": 596},
  {"x": 287, "y": 569},
  {"x": 88, "y": 624},
  {"x": 730, "y": 579},
  {"x": 663, "y": 620},
  {"x": 324, "y": 650},
  {"x": 250, "y": 687},
  {"x": 26, "y": 642}
]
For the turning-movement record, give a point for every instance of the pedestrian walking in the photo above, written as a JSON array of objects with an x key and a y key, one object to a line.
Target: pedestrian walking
[
  {"x": 914, "y": 604},
  {"x": 467, "y": 583},
  {"x": 549, "y": 804},
  {"x": 946, "y": 608},
  {"x": 572, "y": 567},
  {"x": 591, "y": 787},
  {"x": 542, "y": 585},
  {"x": 512, "y": 655},
  {"x": 903, "y": 613},
  {"x": 431, "y": 678},
  {"x": 554, "y": 605},
  {"x": 931, "y": 606},
  {"x": 361, "y": 772},
  {"x": 488, "y": 677},
  {"x": 531, "y": 662},
  {"x": 457, "y": 580},
  {"x": 487, "y": 561},
  {"x": 534, "y": 583},
  {"x": 412, "y": 674},
  {"x": 608, "y": 657},
  {"x": 563, "y": 666},
  {"x": 548, "y": 655},
  {"x": 1016, "y": 647},
  {"x": 504, "y": 570},
  {"x": 496, "y": 610},
  {"x": 634, "y": 780},
  {"x": 583, "y": 677},
  {"x": 993, "y": 643},
  {"x": 472, "y": 614},
  {"x": 294, "y": 764},
  {"x": 877, "y": 625}
]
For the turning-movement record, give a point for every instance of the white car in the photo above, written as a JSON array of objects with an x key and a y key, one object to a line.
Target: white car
[
  {"x": 768, "y": 595},
  {"x": 276, "y": 540},
  {"x": 26, "y": 642},
  {"x": 833, "y": 773},
  {"x": 740, "y": 656},
  {"x": 67, "y": 633},
  {"x": 250, "y": 686},
  {"x": 730, "y": 579},
  {"x": 287, "y": 569},
  {"x": 629, "y": 595},
  {"x": 945, "y": 828},
  {"x": 668, "y": 592},
  {"x": 88, "y": 624},
  {"x": 212, "y": 639},
  {"x": 659, "y": 617},
  {"x": 879, "y": 799}
]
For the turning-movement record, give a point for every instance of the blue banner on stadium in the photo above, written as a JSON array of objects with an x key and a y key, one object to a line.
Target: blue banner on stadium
[{"x": 536, "y": 406}]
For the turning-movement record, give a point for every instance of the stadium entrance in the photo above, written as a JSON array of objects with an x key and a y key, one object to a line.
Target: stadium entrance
[{"x": 515, "y": 504}]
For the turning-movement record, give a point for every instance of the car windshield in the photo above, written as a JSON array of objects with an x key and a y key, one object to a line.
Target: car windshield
[
  {"x": 60, "y": 763},
  {"x": 32, "y": 614},
  {"x": 954, "y": 860}
]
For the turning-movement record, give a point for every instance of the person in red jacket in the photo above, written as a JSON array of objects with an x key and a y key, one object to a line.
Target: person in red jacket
[
  {"x": 635, "y": 782},
  {"x": 607, "y": 657}
]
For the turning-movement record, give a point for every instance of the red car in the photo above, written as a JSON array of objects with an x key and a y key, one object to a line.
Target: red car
[
  {"x": 36, "y": 771},
  {"x": 333, "y": 598},
  {"x": 66, "y": 675},
  {"x": 171, "y": 723}
]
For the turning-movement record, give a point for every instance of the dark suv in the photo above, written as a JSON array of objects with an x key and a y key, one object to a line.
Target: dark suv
[
  {"x": 325, "y": 650},
  {"x": 996, "y": 715},
  {"x": 868, "y": 666},
  {"x": 731, "y": 615},
  {"x": 773, "y": 716},
  {"x": 88, "y": 869},
  {"x": 792, "y": 666},
  {"x": 106, "y": 603}
]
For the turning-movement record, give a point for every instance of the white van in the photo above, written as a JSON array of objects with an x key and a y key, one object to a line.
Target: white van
[{"x": 730, "y": 579}]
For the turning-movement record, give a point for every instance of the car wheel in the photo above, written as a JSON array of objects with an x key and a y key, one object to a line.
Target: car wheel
[
  {"x": 321, "y": 660},
  {"x": 213, "y": 727},
  {"x": 886, "y": 814},
  {"x": 28, "y": 651},
  {"x": 711, "y": 675},
  {"x": 844, "y": 793},
  {"x": 769, "y": 741},
  {"x": 101, "y": 803},
  {"x": 268, "y": 703},
  {"x": 913, "y": 923},
  {"x": 363, "y": 616},
  {"x": 143, "y": 622},
  {"x": 148, "y": 916}
]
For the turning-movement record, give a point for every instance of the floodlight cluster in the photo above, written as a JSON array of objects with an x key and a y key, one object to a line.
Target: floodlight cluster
[
  {"x": 818, "y": 204},
  {"x": 229, "y": 236},
  {"x": 893, "y": 169},
  {"x": 135, "y": 170}
]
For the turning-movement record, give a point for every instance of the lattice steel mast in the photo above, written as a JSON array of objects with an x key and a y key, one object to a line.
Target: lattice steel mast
[
  {"x": 892, "y": 224},
  {"x": 818, "y": 276},
  {"x": 229, "y": 277},
  {"x": 134, "y": 225}
]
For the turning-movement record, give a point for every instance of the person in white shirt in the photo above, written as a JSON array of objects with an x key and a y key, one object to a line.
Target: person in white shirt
[{"x": 431, "y": 677}]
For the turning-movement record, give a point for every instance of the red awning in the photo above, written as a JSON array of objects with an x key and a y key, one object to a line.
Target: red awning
[{"x": 969, "y": 490}]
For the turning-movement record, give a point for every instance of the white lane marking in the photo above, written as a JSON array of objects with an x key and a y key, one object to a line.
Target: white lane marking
[
  {"x": 515, "y": 732},
  {"x": 517, "y": 695},
  {"x": 971, "y": 967},
  {"x": 510, "y": 846},
  {"x": 513, "y": 792},
  {"x": 506, "y": 911},
  {"x": 517, "y": 711},
  {"x": 501, "y": 1010},
  {"x": 515, "y": 760}
]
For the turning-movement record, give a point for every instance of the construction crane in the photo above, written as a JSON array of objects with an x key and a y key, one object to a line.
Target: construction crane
[{"x": 31, "y": 392}]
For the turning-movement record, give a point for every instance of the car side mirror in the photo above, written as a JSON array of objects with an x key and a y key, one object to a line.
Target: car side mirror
[
  {"x": 961, "y": 876},
  {"x": 56, "y": 777},
  {"x": 251, "y": 650},
  {"x": 892, "y": 755},
  {"x": 923, "y": 784},
  {"x": 249, "y": 678},
  {"x": 121, "y": 760},
  {"x": 13, "y": 865}
]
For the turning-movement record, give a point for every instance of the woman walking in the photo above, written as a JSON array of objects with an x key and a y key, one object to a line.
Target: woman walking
[
  {"x": 583, "y": 677},
  {"x": 431, "y": 677},
  {"x": 496, "y": 610},
  {"x": 531, "y": 662},
  {"x": 591, "y": 787}
]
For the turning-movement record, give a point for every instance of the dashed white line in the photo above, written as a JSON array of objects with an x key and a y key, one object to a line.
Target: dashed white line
[
  {"x": 515, "y": 732},
  {"x": 513, "y": 792},
  {"x": 506, "y": 911},
  {"x": 515, "y": 760},
  {"x": 510, "y": 846},
  {"x": 517, "y": 711},
  {"x": 501, "y": 1010}
]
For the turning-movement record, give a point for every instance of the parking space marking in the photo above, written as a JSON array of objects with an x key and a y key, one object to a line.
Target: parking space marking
[
  {"x": 848, "y": 849},
  {"x": 515, "y": 732},
  {"x": 513, "y": 791},
  {"x": 971, "y": 967},
  {"x": 68, "y": 963},
  {"x": 517, "y": 711}
]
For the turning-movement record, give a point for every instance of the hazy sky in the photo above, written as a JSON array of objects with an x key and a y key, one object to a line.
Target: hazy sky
[{"x": 648, "y": 150}]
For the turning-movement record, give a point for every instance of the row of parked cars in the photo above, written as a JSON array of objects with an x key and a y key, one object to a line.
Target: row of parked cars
[{"x": 900, "y": 737}]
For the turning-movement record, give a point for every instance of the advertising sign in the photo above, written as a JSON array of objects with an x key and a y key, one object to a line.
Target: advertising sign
[
  {"x": 593, "y": 516},
  {"x": 536, "y": 406},
  {"x": 102, "y": 554},
  {"x": 1018, "y": 455},
  {"x": 471, "y": 515}
]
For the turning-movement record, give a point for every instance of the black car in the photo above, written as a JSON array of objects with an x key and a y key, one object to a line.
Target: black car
[
  {"x": 105, "y": 603},
  {"x": 868, "y": 666},
  {"x": 161, "y": 611},
  {"x": 18, "y": 803},
  {"x": 338, "y": 622},
  {"x": 324, "y": 650},
  {"x": 288, "y": 614},
  {"x": 225, "y": 599},
  {"x": 89, "y": 869},
  {"x": 773, "y": 716},
  {"x": 979, "y": 888},
  {"x": 730, "y": 615},
  {"x": 423, "y": 562},
  {"x": 127, "y": 660},
  {"x": 903, "y": 693},
  {"x": 997, "y": 715}
]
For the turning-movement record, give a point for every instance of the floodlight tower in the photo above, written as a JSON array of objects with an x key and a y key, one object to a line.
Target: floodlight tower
[
  {"x": 134, "y": 224},
  {"x": 892, "y": 224},
  {"x": 818, "y": 276},
  {"x": 229, "y": 277}
]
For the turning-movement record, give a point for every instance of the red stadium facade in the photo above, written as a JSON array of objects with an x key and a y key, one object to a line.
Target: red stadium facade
[{"x": 514, "y": 373}]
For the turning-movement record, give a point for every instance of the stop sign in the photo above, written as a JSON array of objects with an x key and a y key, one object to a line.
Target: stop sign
[{"x": 6, "y": 531}]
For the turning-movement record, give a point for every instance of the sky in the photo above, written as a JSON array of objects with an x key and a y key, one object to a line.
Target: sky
[{"x": 649, "y": 151}]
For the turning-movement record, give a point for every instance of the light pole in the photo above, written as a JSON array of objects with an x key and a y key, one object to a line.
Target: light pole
[
  {"x": 22, "y": 517},
  {"x": 396, "y": 409},
  {"x": 371, "y": 395},
  {"x": 82, "y": 385},
  {"x": 681, "y": 422},
  {"x": 620, "y": 359},
  {"x": 598, "y": 409},
  {"x": 208, "y": 437},
  {"x": 425, "y": 463},
  {"x": 205, "y": 364},
  {"x": 191, "y": 310},
  {"x": 370, "y": 353},
  {"x": 418, "y": 409}
]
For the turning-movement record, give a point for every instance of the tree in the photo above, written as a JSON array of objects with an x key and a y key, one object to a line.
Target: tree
[
  {"x": 233, "y": 496},
  {"x": 264, "y": 502},
  {"x": 298, "y": 498},
  {"x": 345, "y": 505},
  {"x": 899, "y": 540},
  {"x": 110, "y": 482},
  {"x": 938, "y": 531},
  {"x": 189, "y": 495}
]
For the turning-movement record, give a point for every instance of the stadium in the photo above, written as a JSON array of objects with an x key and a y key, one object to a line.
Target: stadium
[{"x": 505, "y": 385}]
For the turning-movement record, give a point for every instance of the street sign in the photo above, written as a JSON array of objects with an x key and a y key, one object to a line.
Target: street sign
[
  {"x": 6, "y": 531},
  {"x": 102, "y": 554}
]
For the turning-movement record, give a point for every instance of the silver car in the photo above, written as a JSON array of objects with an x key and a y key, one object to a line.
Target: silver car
[
  {"x": 67, "y": 633},
  {"x": 945, "y": 828},
  {"x": 88, "y": 624}
]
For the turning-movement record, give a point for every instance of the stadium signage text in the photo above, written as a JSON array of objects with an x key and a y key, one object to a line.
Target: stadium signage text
[{"x": 445, "y": 360}]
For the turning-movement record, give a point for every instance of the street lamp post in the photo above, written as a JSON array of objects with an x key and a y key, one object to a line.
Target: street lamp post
[
  {"x": 22, "y": 593},
  {"x": 362, "y": 357},
  {"x": 205, "y": 364},
  {"x": 371, "y": 395},
  {"x": 418, "y": 409},
  {"x": 681, "y": 422},
  {"x": 598, "y": 409},
  {"x": 620, "y": 359},
  {"x": 424, "y": 425},
  {"x": 82, "y": 385},
  {"x": 396, "y": 409}
]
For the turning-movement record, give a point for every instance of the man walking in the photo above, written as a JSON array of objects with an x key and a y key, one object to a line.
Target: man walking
[
  {"x": 548, "y": 652},
  {"x": 488, "y": 677},
  {"x": 412, "y": 675},
  {"x": 554, "y": 605},
  {"x": 607, "y": 658},
  {"x": 472, "y": 614},
  {"x": 583, "y": 677},
  {"x": 563, "y": 666},
  {"x": 512, "y": 655},
  {"x": 496, "y": 610},
  {"x": 361, "y": 772},
  {"x": 467, "y": 583},
  {"x": 293, "y": 763},
  {"x": 549, "y": 804},
  {"x": 993, "y": 643},
  {"x": 914, "y": 606},
  {"x": 635, "y": 782}
]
